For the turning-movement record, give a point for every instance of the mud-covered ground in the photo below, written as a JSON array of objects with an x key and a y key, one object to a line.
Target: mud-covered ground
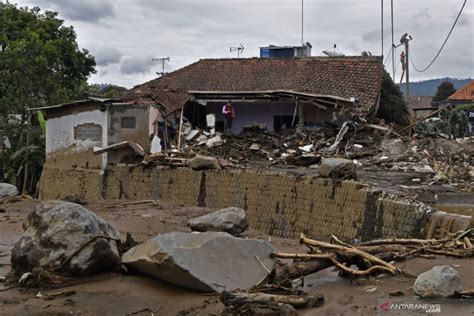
[{"x": 132, "y": 294}]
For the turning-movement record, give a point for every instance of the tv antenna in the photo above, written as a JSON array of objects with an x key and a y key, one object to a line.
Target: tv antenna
[
  {"x": 162, "y": 73},
  {"x": 239, "y": 50}
]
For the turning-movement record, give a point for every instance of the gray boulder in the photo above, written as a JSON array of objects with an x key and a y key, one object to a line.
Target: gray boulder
[
  {"x": 7, "y": 189},
  {"x": 231, "y": 220},
  {"x": 200, "y": 162},
  {"x": 210, "y": 262},
  {"x": 337, "y": 168},
  {"x": 440, "y": 281},
  {"x": 62, "y": 234}
]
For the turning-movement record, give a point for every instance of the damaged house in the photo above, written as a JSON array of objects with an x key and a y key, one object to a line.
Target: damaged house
[
  {"x": 281, "y": 93},
  {"x": 278, "y": 92}
]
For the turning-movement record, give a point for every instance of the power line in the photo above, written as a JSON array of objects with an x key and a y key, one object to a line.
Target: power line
[
  {"x": 387, "y": 58},
  {"x": 442, "y": 46}
]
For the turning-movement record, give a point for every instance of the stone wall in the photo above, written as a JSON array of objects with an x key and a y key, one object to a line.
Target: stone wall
[
  {"x": 278, "y": 204},
  {"x": 57, "y": 183}
]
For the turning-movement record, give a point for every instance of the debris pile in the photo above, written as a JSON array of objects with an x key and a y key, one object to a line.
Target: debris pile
[
  {"x": 370, "y": 258},
  {"x": 370, "y": 147}
]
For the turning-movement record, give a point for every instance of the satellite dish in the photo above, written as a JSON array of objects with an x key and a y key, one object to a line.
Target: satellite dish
[{"x": 333, "y": 53}]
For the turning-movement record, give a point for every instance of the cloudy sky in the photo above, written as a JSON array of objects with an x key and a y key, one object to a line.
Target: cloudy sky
[{"x": 125, "y": 35}]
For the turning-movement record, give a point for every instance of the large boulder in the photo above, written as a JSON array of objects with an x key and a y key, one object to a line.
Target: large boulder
[
  {"x": 210, "y": 262},
  {"x": 66, "y": 237},
  {"x": 231, "y": 220},
  {"x": 337, "y": 168},
  {"x": 7, "y": 189},
  {"x": 200, "y": 162},
  {"x": 440, "y": 281}
]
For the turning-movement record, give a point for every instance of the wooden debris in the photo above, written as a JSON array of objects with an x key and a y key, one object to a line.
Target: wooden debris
[
  {"x": 369, "y": 257},
  {"x": 53, "y": 295},
  {"x": 241, "y": 298}
]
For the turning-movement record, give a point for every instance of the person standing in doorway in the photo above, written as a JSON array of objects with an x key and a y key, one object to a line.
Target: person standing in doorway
[{"x": 229, "y": 115}]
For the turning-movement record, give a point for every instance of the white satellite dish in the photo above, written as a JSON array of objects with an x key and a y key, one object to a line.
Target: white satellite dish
[{"x": 333, "y": 54}]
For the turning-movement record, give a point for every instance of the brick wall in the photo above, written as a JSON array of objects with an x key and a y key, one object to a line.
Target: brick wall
[{"x": 279, "y": 204}]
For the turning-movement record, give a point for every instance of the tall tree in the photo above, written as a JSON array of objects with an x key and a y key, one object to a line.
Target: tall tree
[
  {"x": 445, "y": 89},
  {"x": 393, "y": 107},
  {"x": 40, "y": 61},
  {"x": 40, "y": 64}
]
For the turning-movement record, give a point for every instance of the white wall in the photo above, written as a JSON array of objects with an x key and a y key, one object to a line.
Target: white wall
[{"x": 60, "y": 132}]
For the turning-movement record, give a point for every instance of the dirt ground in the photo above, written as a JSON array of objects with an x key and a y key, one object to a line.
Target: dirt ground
[{"x": 132, "y": 294}]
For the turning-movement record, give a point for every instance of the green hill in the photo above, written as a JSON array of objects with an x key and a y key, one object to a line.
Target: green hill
[{"x": 428, "y": 87}]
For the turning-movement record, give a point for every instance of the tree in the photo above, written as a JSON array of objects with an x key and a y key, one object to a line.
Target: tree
[
  {"x": 445, "y": 89},
  {"x": 40, "y": 61},
  {"x": 393, "y": 107},
  {"x": 40, "y": 64}
]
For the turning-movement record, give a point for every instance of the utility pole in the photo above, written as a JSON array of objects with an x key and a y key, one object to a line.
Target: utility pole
[
  {"x": 407, "y": 64},
  {"x": 381, "y": 21},
  {"x": 393, "y": 43},
  {"x": 302, "y": 23},
  {"x": 404, "y": 59},
  {"x": 162, "y": 73}
]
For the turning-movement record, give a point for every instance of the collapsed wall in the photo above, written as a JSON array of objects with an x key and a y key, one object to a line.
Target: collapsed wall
[{"x": 279, "y": 204}]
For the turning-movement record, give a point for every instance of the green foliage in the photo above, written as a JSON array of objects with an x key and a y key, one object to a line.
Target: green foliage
[
  {"x": 393, "y": 108},
  {"x": 42, "y": 124},
  {"x": 465, "y": 107},
  {"x": 40, "y": 62},
  {"x": 445, "y": 89}
]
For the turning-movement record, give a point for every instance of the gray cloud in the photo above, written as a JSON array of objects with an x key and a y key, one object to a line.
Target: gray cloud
[
  {"x": 137, "y": 65},
  {"x": 422, "y": 15},
  {"x": 187, "y": 30},
  {"x": 371, "y": 36},
  {"x": 82, "y": 10},
  {"x": 105, "y": 55}
]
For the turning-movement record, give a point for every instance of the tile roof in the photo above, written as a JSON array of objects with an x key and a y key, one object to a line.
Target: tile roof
[
  {"x": 466, "y": 93},
  {"x": 359, "y": 77}
]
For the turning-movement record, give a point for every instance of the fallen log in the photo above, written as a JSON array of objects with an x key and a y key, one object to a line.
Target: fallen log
[
  {"x": 332, "y": 259},
  {"x": 241, "y": 298},
  {"x": 349, "y": 250},
  {"x": 286, "y": 273},
  {"x": 397, "y": 241}
]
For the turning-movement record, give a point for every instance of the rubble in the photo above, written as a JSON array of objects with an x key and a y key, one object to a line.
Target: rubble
[
  {"x": 66, "y": 237},
  {"x": 440, "y": 281},
  {"x": 7, "y": 190},
  {"x": 210, "y": 261},
  {"x": 231, "y": 220}
]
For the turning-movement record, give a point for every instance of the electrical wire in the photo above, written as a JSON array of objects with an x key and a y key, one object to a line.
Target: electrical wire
[
  {"x": 389, "y": 53},
  {"x": 442, "y": 46}
]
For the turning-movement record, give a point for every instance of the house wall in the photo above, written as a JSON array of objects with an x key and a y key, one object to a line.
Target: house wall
[
  {"x": 64, "y": 150},
  {"x": 139, "y": 134},
  {"x": 313, "y": 114},
  {"x": 261, "y": 112}
]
